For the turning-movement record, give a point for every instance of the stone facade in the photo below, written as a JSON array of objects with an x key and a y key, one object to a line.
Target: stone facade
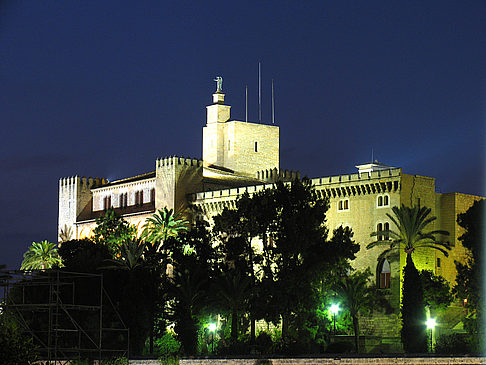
[{"x": 243, "y": 157}]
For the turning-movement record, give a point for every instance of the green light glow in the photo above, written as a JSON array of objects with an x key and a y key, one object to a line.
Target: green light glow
[
  {"x": 212, "y": 327},
  {"x": 334, "y": 308}
]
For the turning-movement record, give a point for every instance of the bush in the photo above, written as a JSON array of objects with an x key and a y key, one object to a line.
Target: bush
[
  {"x": 15, "y": 348},
  {"x": 167, "y": 346},
  {"x": 115, "y": 361},
  {"x": 340, "y": 347},
  {"x": 264, "y": 343},
  {"x": 455, "y": 343}
]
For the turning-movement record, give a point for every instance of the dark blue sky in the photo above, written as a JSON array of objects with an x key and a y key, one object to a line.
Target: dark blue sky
[{"x": 103, "y": 88}]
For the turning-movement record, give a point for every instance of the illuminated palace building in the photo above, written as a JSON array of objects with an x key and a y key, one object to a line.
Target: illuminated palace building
[{"x": 243, "y": 157}]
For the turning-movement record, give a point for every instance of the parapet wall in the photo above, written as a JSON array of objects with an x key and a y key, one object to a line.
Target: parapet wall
[
  {"x": 274, "y": 175},
  {"x": 317, "y": 182},
  {"x": 84, "y": 182},
  {"x": 175, "y": 160},
  {"x": 338, "y": 179}
]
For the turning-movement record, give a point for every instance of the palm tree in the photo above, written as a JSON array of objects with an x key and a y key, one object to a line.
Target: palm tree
[
  {"x": 358, "y": 296},
  {"x": 41, "y": 255},
  {"x": 130, "y": 255},
  {"x": 411, "y": 236},
  {"x": 162, "y": 225},
  {"x": 65, "y": 234}
]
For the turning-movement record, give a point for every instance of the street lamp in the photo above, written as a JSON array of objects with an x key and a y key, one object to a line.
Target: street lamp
[
  {"x": 334, "y": 309},
  {"x": 212, "y": 328},
  {"x": 431, "y": 323}
]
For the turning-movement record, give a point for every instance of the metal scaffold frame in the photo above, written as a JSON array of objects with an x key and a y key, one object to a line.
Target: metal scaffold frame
[{"x": 65, "y": 323}]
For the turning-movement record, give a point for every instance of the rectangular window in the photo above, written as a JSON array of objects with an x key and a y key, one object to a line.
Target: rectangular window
[
  {"x": 137, "y": 198},
  {"x": 141, "y": 197},
  {"x": 256, "y": 146},
  {"x": 438, "y": 261},
  {"x": 152, "y": 195},
  {"x": 107, "y": 202},
  {"x": 229, "y": 144}
]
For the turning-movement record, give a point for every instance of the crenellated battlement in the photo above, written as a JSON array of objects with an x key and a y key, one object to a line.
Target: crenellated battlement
[
  {"x": 176, "y": 160},
  {"x": 338, "y": 179},
  {"x": 274, "y": 175},
  {"x": 84, "y": 182}
]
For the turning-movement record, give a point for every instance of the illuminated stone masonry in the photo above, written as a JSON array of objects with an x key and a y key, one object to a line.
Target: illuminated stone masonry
[{"x": 243, "y": 157}]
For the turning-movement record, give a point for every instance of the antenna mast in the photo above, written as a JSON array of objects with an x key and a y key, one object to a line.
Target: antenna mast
[
  {"x": 246, "y": 103},
  {"x": 259, "y": 92},
  {"x": 273, "y": 105}
]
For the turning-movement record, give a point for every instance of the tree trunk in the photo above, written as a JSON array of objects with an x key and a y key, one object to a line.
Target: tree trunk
[
  {"x": 285, "y": 324},
  {"x": 356, "y": 332},
  {"x": 252, "y": 275},
  {"x": 234, "y": 325}
]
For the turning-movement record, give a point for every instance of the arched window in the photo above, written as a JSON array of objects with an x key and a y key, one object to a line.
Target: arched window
[
  {"x": 385, "y": 275},
  {"x": 386, "y": 227},
  {"x": 343, "y": 204},
  {"x": 123, "y": 200},
  {"x": 383, "y": 200},
  {"x": 379, "y": 228}
]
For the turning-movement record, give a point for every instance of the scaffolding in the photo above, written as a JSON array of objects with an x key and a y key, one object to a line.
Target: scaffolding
[{"x": 68, "y": 315}]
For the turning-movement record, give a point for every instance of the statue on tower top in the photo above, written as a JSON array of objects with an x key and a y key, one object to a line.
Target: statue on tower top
[{"x": 219, "y": 84}]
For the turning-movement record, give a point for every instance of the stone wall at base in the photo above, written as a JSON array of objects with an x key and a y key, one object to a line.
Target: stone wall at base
[{"x": 337, "y": 360}]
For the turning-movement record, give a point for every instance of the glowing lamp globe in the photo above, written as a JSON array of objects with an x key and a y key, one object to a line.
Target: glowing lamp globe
[{"x": 431, "y": 323}]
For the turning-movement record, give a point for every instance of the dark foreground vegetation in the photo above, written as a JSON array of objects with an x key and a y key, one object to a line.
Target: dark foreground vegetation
[{"x": 201, "y": 291}]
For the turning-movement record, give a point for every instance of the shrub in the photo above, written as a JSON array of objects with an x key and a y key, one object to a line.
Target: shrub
[
  {"x": 340, "y": 347},
  {"x": 455, "y": 343},
  {"x": 167, "y": 346},
  {"x": 264, "y": 343},
  {"x": 15, "y": 348}
]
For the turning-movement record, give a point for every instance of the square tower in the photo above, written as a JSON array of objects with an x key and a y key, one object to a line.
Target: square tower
[{"x": 242, "y": 147}]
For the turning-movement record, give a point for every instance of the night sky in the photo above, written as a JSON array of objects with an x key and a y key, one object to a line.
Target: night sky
[{"x": 103, "y": 88}]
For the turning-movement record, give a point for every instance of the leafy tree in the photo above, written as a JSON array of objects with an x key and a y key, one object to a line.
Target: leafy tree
[
  {"x": 411, "y": 235},
  {"x": 163, "y": 225},
  {"x": 359, "y": 296},
  {"x": 41, "y": 256},
  {"x": 15, "y": 348},
  {"x": 437, "y": 291},
  {"x": 112, "y": 230},
  {"x": 469, "y": 281},
  {"x": 232, "y": 292},
  {"x": 237, "y": 228},
  {"x": 84, "y": 256},
  {"x": 300, "y": 249},
  {"x": 193, "y": 260}
]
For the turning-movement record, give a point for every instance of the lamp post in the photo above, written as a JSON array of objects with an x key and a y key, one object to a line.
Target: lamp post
[
  {"x": 212, "y": 328},
  {"x": 334, "y": 309},
  {"x": 431, "y": 323}
]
